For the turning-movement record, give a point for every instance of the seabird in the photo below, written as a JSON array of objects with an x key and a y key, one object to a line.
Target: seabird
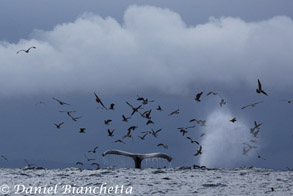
[
  {"x": 110, "y": 133},
  {"x": 58, "y": 126},
  {"x": 155, "y": 133},
  {"x": 144, "y": 101},
  {"x": 233, "y": 120},
  {"x": 143, "y": 137},
  {"x": 98, "y": 100},
  {"x": 4, "y": 158},
  {"x": 199, "y": 151},
  {"x": 133, "y": 108},
  {"x": 60, "y": 102},
  {"x": 174, "y": 112},
  {"x": 97, "y": 164},
  {"x": 75, "y": 118},
  {"x": 106, "y": 122},
  {"x": 26, "y": 51},
  {"x": 192, "y": 141},
  {"x": 79, "y": 163},
  {"x": 28, "y": 164},
  {"x": 125, "y": 119},
  {"x": 94, "y": 150},
  {"x": 112, "y": 106},
  {"x": 159, "y": 108},
  {"x": 259, "y": 90},
  {"x": 149, "y": 122},
  {"x": 82, "y": 130},
  {"x": 198, "y": 95},
  {"x": 163, "y": 145},
  {"x": 88, "y": 158},
  {"x": 119, "y": 141},
  {"x": 252, "y": 105}
]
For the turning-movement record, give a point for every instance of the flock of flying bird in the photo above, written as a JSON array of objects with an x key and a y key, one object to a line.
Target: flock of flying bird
[{"x": 139, "y": 110}]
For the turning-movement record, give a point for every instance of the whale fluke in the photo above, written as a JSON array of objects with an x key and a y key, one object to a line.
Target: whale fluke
[{"x": 138, "y": 157}]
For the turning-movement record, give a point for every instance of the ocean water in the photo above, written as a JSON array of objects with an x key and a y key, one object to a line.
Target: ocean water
[{"x": 128, "y": 181}]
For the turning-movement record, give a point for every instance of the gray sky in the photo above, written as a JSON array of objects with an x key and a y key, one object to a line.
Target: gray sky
[{"x": 165, "y": 50}]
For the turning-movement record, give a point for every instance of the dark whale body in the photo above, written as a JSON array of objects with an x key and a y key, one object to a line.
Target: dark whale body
[{"x": 138, "y": 157}]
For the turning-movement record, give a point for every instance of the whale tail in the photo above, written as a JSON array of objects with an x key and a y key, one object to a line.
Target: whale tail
[{"x": 138, "y": 157}]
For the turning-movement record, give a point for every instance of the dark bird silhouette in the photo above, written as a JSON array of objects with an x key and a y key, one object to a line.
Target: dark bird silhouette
[
  {"x": 97, "y": 164},
  {"x": 134, "y": 109},
  {"x": 29, "y": 165},
  {"x": 60, "y": 102},
  {"x": 106, "y": 122},
  {"x": 252, "y": 105},
  {"x": 144, "y": 101},
  {"x": 119, "y": 141},
  {"x": 94, "y": 150},
  {"x": 4, "y": 158},
  {"x": 79, "y": 163},
  {"x": 155, "y": 133},
  {"x": 163, "y": 145},
  {"x": 132, "y": 128},
  {"x": 143, "y": 137},
  {"x": 98, "y": 100},
  {"x": 288, "y": 101},
  {"x": 174, "y": 112},
  {"x": 200, "y": 122},
  {"x": 199, "y": 151},
  {"x": 192, "y": 141},
  {"x": 198, "y": 95},
  {"x": 128, "y": 134},
  {"x": 213, "y": 93},
  {"x": 183, "y": 130},
  {"x": 159, "y": 108},
  {"x": 88, "y": 159},
  {"x": 233, "y": 120},
  {"x": 75, "y": 118},
  {"x": 112, "y": 106},
  {"x": 125, "y": 119},
  {"x": 26, "y": 51},
  {"x": 146, "y": 114},
  {"x": 68, "y": 113},
  {"x": 58, "y": 126},
  {"x": 222, "y": 102},
  {"x": 245, "y": 150},
  {"x": 110, "y": 133},
  {"x": 260, "y": 157},
  {"x": 256, "y": 126},
  {"x": 255, "y": 133},
  {"x": 82, "y": 130},
  {"x": 203, "y": 134},
  {"x": 259, "y": 90},
  {"x": 149, "y": 122}
]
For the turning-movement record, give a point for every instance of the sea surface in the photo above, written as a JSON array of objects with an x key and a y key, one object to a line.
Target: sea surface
[{"x": 170, "y": 181}]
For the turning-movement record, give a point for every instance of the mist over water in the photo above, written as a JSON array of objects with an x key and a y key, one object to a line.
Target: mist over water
[{"x": 222, "y": 145}]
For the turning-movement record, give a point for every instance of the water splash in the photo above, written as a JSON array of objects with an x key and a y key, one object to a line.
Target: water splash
[{"x": 222, "y": 145}]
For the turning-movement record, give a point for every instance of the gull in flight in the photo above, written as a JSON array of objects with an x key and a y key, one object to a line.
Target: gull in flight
[
  {"x": 259, "y": 89},
  {"x": 252, "y": 105},
  {"x": 26, "y": 51}
]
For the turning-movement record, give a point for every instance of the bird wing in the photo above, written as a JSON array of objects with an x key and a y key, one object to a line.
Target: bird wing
[
  {"x": 20, "y": 51},
  {"x": 31, "y": 48},
  {"x": 245, "y": 106},
  {"x": 259, "y": 84}
]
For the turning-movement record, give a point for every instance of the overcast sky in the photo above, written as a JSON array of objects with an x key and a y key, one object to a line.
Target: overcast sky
[{"x": 164, "y": 50}]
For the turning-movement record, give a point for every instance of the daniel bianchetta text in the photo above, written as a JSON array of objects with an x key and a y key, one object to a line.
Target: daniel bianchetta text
[{"x": 103, "y": 189}]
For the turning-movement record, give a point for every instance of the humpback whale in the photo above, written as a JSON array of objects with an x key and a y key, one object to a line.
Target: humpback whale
[{"x": 138, "y": 157}]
